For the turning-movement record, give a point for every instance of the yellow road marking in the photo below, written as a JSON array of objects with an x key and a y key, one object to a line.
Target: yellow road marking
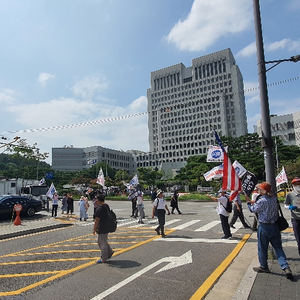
[
  {"x": 60, "y": 274},
  {"x": 209, "y": 282}
]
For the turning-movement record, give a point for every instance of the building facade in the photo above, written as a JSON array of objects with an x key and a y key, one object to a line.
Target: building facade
[
  {"x": 287, "y": 127},
  {"x": 74, "y": 159},
  {"x": 185, "y": 105}
]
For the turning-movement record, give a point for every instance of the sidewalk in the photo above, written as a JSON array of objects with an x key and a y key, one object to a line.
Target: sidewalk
[
  {"x": 240, "y": 282},
  {"x": 33, "y": 226}
]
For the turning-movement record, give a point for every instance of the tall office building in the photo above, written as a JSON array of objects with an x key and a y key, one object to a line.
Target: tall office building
[{"x": 186, "y": 104}]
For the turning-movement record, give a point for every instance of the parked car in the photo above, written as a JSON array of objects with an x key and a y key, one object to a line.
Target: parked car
[{"x": 29, "y": 205}]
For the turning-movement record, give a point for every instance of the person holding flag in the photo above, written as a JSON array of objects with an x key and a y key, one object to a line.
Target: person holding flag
[{"x": 224, "y": 215}]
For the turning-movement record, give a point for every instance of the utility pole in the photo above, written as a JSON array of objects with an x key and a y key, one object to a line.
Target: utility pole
[{"x": 267, "y": 142}]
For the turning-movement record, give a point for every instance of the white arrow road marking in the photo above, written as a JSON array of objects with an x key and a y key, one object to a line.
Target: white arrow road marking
[
  {"x": 174, "y": 261},
  {"x": 208, "y": 226},
  {"x": 178, "y": 261},
  {"x": 169, "y": 239}
]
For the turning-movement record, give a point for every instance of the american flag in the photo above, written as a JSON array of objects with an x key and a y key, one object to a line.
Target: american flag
[{"x": 231, "y": 180}]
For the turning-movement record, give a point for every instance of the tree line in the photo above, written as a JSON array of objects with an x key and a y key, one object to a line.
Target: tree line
[{"x": 24, "y": 161}]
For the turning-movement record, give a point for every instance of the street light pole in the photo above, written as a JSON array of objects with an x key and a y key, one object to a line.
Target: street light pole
[{"x": 267, "y": 142}]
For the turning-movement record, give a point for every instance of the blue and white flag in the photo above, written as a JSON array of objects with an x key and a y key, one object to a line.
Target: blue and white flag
[
  {"x": 239, "y": 169},
  {"x": 51, "y": 191},
  {"x": 134, "y": 180}
]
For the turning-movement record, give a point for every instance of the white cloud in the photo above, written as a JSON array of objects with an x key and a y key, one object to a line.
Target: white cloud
[
  {"x": 44, "y": 77},
  {"x": 88, "y": 86},
  {"x": 248, "y": 51},
  {"x": 287, "y": 44},
  {"x": 284, "y": 44},
  {"x": 117, "y": 134},
  {"x": 210, "y": 20},
  {"x": 7, "y": 96}
]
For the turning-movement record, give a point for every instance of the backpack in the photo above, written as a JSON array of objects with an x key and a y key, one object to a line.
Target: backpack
[
  {"x": 228, "y": 207},
  {"x": 111, "y": 220}
]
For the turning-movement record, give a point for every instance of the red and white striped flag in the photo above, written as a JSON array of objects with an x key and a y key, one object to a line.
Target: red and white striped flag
[{"x": 231, "y": 180}]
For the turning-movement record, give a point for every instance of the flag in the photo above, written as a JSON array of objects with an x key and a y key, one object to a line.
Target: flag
[
  {"x": 42, "y": 181},
  {"x": 100, "y": 178},
  {"x": 231, "y": 180},
  {"x": 214, "y": 154},
  {"x": 51, "y": 191},
  {"x": 239, "y": 169},
  {"x": 281, "y": 177},
  {"x": 134, "y": 180},
  {"x": 216, "y": 172},
  {"x": 249, "y": 182}
]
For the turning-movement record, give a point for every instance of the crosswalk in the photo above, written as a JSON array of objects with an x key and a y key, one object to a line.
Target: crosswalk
[{"x": 175, "y": 224}]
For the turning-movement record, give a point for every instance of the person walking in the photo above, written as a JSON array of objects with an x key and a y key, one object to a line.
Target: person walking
[
  {"x": 140, "y": 206},
  {"x": 292, "y": 202},
  {"x": 160, "y": 206},
  {"x": 268, "y": 231},
  {"x": 153, "y": 195},
  {"x": 54, "y": 205},
  {"x": 64, "y": 205},
  {"x": 134, "y": 210},
  {"x": 222, "y": 200},
  {"x": 174, "y": 203},
  {"x": 82, "y": 209},
  {"x": 100, "y": 228},
  {"x": 70, "y": 204},
  {"x": 238, "y": 212}
]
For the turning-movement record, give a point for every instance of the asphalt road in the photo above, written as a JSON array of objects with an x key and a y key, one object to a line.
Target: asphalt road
[{"x": 60, "y": 264}]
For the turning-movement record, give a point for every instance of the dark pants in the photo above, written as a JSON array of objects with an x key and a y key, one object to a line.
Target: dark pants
[
  {"x": 134, "y": 209},
  {"x": 225, "y": 226},
  {"x": 161, "y": 215},
  {"x": 175, "y": 206},
  {"x": 54, "y": 210},
  {"x": 238, "y": 214},
  {"x": 296, "y": 228}
]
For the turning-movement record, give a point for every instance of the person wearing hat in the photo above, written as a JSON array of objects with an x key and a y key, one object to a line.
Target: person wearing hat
[
  {"x": 292, "y": 202},
  {"x": 224, "y": 215},
  {"x": 160, "y": 206},
  {"x": 268, "y": 231}
]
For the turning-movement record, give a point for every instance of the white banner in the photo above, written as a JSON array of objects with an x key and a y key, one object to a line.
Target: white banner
[
  {"x": 100, "y": 178},
  {"x": 216, "y": 172},
  {"x": 281, "y": 177}
]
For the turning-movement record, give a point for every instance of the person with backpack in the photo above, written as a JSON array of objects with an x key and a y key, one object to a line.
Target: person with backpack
[
  {"x": 102, "y": 229},
  {"x": 224, "y": 211}
]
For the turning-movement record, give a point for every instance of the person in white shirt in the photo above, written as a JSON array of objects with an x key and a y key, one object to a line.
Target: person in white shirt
[
  {"x": 54, "y": 205},
  {"x": 224, "y": 215},
  {"x": 160, "y": 205}
]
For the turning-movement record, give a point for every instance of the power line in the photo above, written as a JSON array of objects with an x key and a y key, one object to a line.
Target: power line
[{"x": 129, "y": 116}]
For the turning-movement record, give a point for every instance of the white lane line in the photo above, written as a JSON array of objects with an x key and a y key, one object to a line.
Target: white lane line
[
  {"x": 199, "y": 240},
  {"x": 237, "y": 226},
  {"x": 208, "y": 226},
  {"x": 186, "y": 224}
]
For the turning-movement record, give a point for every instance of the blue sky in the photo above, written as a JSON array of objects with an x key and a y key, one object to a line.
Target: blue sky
[{"x": 69, "y": 62}]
